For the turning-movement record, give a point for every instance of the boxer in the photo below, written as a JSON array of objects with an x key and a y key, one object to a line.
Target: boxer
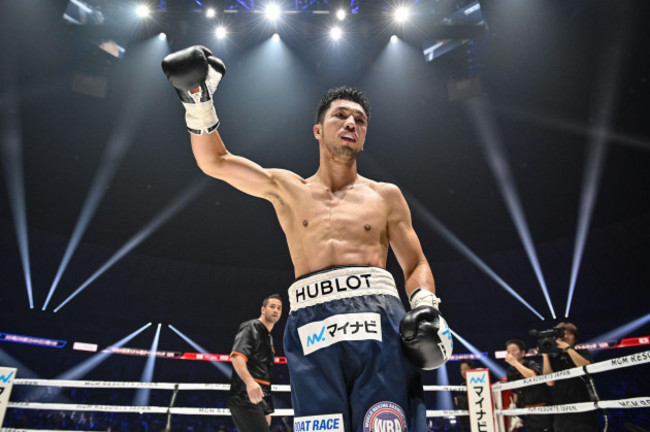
[{"x": 353, "y": 352}]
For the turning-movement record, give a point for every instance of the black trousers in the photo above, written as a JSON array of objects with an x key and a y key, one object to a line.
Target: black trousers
[
  {"x": 539, "y": 423},
  {"x": 249, "y": 418},
  {"x": 580, "y": 422}
]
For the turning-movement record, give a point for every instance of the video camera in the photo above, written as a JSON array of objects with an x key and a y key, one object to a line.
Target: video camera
[{"x": 546, "y": 339}]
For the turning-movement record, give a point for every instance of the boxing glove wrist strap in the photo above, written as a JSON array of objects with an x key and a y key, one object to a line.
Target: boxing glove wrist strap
[
  {"x": 422, "y": 296},
  {"x": 200, "y": 117}
]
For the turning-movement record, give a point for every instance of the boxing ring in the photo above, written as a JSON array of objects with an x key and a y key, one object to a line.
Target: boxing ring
[{"x": 499, "y": 413}]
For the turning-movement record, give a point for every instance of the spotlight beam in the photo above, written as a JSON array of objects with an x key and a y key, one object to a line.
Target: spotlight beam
[
  {"x": 243, "y": 3},
  {"x": 444, "y": 232},
  {"x": 220, "y": 366},
  {"x": 623, "y": 330},
  {"x": 433, "y": 223},
  {"x": 177, "y": 204},
  {"x": 495, "y": 367},
  {"x": 576, "y": 128},
  {"x": 83, "y": 368},
  {"x": 443, "y": 399},
  {"x": 12, "y": 158},
  {"x": 495, "y": 153},
  {"x": 7, "y": 360},
  {"x": 596, "y": 150},
  {"x": 591, "y": 179},
  {"x": 116, "y": 148},
  {"x": 142, "y": 395},
  {"x": 118, "y": 144}
]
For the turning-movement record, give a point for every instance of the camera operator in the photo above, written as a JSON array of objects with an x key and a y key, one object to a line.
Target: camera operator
[
  {"x": 572, "y": 390},
  {"x": 531, "y": 396}
]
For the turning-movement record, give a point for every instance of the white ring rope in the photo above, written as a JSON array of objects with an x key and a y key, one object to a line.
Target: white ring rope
[
  {"x": 607, "y": 365},
  {"x": 176, "y": 410},
  {"x": 135, "y": 384},
  {"x": 444, "y": 388},
  {"x": 617, "y": 363},
  {"x": 603, "y": 366},
  {"x": 639, "y": 402}
]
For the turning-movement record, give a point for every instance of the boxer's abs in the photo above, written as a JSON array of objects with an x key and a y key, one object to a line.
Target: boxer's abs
[{"x": 325, "y": 230}]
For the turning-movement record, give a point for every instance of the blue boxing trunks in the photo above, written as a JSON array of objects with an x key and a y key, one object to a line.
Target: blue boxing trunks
[{"x": 348, "y": 372}]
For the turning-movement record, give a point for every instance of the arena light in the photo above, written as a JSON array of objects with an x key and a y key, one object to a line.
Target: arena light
[
  {"x": 272, "y": 12},
  {"x": 492, "y": 365},
  {"x": 162, "y": 36},
  {"x": 12, "y": 160},
  {"x": 341, "y": 14},
  {"x": 221, "y": 32},
  {"x": 336, "y": 33},
  {"x": 486, "y": 131},
  {"x": 177, "y": 204},
  {"x": 401, "y": 14},
  {"x": 222, "y": 368},
  {"x": 142, "y": 11},
  {"x": 142, "y": 395},
  {"x": 444, "y": 232},
  {"x": 210, "y": 13},
  {"x": 394, "y": 39},
  {"x": 275, "y": 37}
]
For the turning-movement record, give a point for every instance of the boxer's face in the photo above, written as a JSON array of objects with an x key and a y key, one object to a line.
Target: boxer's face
[
  {"x": 343, "y": 130},
  {"x": 272, "y": 311}
]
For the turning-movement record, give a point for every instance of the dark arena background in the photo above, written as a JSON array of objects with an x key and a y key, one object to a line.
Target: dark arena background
[{"x": 518, "y": 131}]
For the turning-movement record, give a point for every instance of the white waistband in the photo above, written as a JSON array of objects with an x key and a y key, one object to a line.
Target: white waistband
[{"x": 340, "y": 283}]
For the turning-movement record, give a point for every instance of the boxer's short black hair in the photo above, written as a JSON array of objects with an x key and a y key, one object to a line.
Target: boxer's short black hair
[{"x": 342, "y": 93}]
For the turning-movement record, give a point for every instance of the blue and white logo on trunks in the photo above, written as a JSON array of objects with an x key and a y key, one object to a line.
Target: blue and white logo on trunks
[
  {"x": 385, "y": 417},
  {"x": 327, "y": 422},
  {"x": 337, "y": 328}
]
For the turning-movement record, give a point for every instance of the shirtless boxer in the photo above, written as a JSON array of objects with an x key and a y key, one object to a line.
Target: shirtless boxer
[{"x": 348, "y": 339}]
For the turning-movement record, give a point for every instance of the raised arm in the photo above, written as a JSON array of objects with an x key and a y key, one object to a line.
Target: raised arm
[
  {"x": 242, "y": 173},
  {"x": 195, "y": 74}
]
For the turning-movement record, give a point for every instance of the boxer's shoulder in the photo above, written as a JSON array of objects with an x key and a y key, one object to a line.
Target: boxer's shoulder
[{"x": 389, "y": 192}]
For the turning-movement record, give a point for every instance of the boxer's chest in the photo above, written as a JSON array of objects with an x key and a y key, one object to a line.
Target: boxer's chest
[{"x": 354, "y": 212}]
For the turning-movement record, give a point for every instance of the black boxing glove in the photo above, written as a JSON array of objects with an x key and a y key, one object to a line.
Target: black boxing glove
[
  {"x": 191, "y": 68},
  {"x": 426, "y": 338}
]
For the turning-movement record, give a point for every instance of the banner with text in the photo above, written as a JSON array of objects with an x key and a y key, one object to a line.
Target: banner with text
[
  {"x": 7, "y": 376},
  {"x": 479, "y": 401}
]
